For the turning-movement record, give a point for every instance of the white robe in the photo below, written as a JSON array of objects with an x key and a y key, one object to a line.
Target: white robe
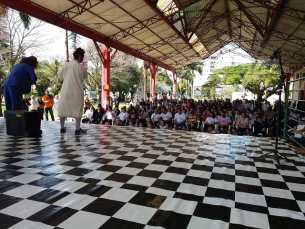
[{"x": 72, "y": 91}]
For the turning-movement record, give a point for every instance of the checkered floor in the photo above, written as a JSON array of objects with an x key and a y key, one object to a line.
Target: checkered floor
[{"x": 124, "y": 177}]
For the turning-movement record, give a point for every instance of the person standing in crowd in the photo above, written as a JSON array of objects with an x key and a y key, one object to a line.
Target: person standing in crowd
[
  {"x": 55, "y": 106},
  {"x": 110, "y": 101},
  {"x": 106, "y": 103},
  {"x": 87, "y": 104},
  {"x": 169, "y": 95},
  {"x": 19, "y": 82},
  {"x": 34, "y": 104},
  {"x": 41, "y": 106},
  {"x": 25, "y": 103},
  {"x": 116, "y": 101},
  {"x": 72, "y": 91},
  {"x": 48, "y": 100},
  {"x": 265, "y": 105}
]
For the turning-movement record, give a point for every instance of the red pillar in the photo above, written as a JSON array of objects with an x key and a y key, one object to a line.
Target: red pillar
[
  {"x": 152, "y": 81},
  {"x": 175, "y": 85},
  {"x": 106, "y": 74}
]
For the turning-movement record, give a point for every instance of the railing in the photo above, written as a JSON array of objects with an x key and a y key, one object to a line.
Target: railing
[{"x": 290, "y": 127}]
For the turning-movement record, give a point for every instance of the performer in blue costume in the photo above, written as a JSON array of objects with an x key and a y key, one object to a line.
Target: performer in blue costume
[{"x": 19, "y": 82}]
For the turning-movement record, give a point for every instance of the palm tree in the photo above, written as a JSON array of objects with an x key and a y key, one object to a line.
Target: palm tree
[
  {"x": 145, "y": 66},
  {"x": 196, "y": 66},
  {"x": 26, "y": 19}
]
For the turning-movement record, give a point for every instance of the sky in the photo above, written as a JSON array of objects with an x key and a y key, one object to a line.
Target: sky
[{"x": 57, "y": 48}]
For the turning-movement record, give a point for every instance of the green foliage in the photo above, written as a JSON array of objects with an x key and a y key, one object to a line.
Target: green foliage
[
  {"x": 75, "y": 38},
  {"x": 259, "y": 78},
  {"x": 187, "y": 74},
  {"x": 163, "y": 77},
  {"x": 26, "y": 20},
  {"x": 93, "y": 82},
  {"x": 262, "y": 79},
  {"x": 124, "y": 79},
  {"x": 125, "y": 75},
  {"x": 49, "y": 71},
  {"x": 43, "y": 81}
]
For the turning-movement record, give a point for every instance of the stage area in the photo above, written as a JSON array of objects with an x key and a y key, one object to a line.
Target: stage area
[{"x": 124, "y": 177}]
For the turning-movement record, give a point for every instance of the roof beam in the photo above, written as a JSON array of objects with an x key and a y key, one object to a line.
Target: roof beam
[
  {"x": 146, "y": 27},
  {"x": 161, "y": 15},
  {"x": 262, "y": 3},
  {"x": 250, "y": 16},
  {"x": 42, "y": 14},
  {"x": 201, "y": 16},
  {"x": 135, "y": 28},
  {"x": 79, "y": 8},
  {"x": 274, "y": 19},
  {"x": 170, "y": 9},
  {"x": 229, "y": 22}
]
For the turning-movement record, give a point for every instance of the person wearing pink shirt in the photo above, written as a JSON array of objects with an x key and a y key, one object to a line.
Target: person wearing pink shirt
[{"x": 223, "y": 123}]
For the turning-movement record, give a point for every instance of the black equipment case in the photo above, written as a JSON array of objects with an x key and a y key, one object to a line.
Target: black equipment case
[{"x": 23, "y": 123}]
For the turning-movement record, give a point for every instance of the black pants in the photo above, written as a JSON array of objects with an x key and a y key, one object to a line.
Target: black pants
[
  {"x": 96, "y": 121},
  {"x": 106, "y": 120}
]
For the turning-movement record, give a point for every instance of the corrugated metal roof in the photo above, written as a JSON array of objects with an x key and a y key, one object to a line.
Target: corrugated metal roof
[{"x": 177, "y": 32}]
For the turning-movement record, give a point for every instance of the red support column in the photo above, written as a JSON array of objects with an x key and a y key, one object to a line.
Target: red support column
[
  {"x": 106, "y": 74},
  {"x": 174, "y": 85},
  {"x": 152, "y": 81}
]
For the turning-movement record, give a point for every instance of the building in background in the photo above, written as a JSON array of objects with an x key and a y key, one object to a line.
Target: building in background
[{"x": 230, "y": 55}]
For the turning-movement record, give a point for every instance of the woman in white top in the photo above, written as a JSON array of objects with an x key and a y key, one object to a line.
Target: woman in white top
[
  {"x": 211, "y": 121},
  {"x": 155, "y": 117},
  {"x": 34, "y": 104},
  {"x": 88, "y": 115},
  {"x": 109, "y": 116},
  {"x": 243, "y": 123},
  {"x": 55, "y": 106},
  {"x": 162, "y": 126}
]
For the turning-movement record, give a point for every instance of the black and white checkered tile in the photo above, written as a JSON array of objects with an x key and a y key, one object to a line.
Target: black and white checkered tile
[{"x": 124, "y": 177}]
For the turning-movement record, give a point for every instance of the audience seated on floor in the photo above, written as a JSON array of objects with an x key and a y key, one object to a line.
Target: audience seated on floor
[{"x": 240, "y": 117}]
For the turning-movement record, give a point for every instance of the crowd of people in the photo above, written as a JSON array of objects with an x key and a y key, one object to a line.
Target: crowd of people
[
  {"x": 240, "y": 117},
  {"x": 45, "y": 105}
]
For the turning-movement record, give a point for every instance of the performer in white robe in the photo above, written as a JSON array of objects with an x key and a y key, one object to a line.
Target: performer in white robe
[{"x": 72, "y": 91}]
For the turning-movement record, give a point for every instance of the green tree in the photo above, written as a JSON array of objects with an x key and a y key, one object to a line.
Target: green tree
[
  {"x": 26, "y": 19},
  {"x": 43, "y": 81},
  {"x": 15, "y": 41},
  {"x": 185, "y": 75},
  {"x": 75, "y": 39},
  {"x": 51, "y": 70},
  {"x": 163, "y": 77},
  {"x": 259, "y": 78},
  {"x": 93, "y": 82},
  {"x": 145, "y": 75},
  {"x": 125, "y": 75},
  {"x": 196, "y": 66}
]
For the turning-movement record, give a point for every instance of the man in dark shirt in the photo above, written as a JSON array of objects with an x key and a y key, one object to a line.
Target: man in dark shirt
[
  {"x": 97, "y": 115},
  {"x": 259, "y": 127},
  {"x": 116, "y": 101}
]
